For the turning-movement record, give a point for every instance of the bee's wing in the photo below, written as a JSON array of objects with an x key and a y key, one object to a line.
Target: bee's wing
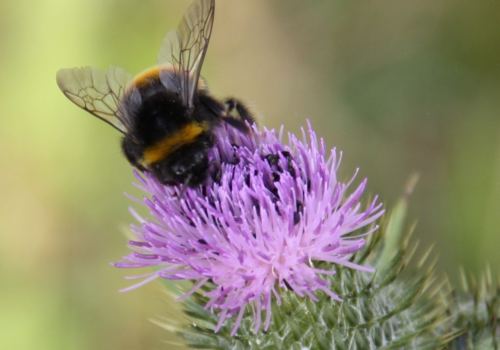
[
  {"x": 97, "y": 92},
  {"x": 185, "y": 49}
]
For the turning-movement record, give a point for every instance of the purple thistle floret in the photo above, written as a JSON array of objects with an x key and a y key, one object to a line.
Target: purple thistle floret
[{"x": 267, "y": 213}]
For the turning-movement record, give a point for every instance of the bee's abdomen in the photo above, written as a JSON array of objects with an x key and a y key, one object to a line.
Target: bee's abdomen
[{"x": 164, "y": 147}]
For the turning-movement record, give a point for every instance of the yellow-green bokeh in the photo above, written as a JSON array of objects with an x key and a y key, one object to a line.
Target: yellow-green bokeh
[{"x": 399, "y": 86}]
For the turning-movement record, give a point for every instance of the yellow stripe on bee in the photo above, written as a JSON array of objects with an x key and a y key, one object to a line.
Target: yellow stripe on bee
[
  {"x": 170, "y": 143},
  {"x": 149, "y": 76},
  {"x": 152, "y": 75}
]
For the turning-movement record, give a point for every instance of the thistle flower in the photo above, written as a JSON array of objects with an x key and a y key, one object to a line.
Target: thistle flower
[{"x": 267, "y": 215}]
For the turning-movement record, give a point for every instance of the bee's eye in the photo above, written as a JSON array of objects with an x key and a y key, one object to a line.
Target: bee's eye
[
  {"x": 199, "y": 156},
  {"x": 179, "y": 169}
]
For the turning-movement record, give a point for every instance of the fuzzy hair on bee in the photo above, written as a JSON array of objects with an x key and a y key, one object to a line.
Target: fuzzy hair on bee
[{"x": 166, "y": 113}]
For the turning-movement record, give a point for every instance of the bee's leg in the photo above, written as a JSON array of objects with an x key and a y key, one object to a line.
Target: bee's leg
[
  {"x": 213, "y": 105},
  {"x": 245, "y": 117},
  {"x": 218, "y": 172},
  {"x": 223, "y": 111},
  {"x": 185, "y": 186},
  {"x": 237, "y": 124},
  {"x": 233, "y": 103}
]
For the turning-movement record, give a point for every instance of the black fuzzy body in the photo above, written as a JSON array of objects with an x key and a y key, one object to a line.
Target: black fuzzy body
[{"x": 159, "y": 118}]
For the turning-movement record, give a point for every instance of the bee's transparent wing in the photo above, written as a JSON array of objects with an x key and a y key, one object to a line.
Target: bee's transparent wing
[
  {"x": 185, "y": 49},
  {"x": 98, "y": 92}
]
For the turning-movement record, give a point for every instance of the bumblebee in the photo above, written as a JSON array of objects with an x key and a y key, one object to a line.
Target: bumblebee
[{"x": 166, "y": 113}]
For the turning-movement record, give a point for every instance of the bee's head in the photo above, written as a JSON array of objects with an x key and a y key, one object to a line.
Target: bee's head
[{"x": 183, "y": 167}]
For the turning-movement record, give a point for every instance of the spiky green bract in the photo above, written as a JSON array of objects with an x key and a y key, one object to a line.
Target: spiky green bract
[
  {"x": 379, "y": 311},
  {"x": 476, "y": 314}
]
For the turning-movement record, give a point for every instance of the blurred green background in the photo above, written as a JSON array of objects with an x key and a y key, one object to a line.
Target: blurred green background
[{"x": 399, "y": 86}]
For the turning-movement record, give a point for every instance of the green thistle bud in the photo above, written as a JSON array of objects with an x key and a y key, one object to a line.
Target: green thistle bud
[{"x": 475, "y": 314}]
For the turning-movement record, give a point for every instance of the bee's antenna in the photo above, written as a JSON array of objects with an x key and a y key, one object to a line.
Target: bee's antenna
[{"x": 185, "y": 186}]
